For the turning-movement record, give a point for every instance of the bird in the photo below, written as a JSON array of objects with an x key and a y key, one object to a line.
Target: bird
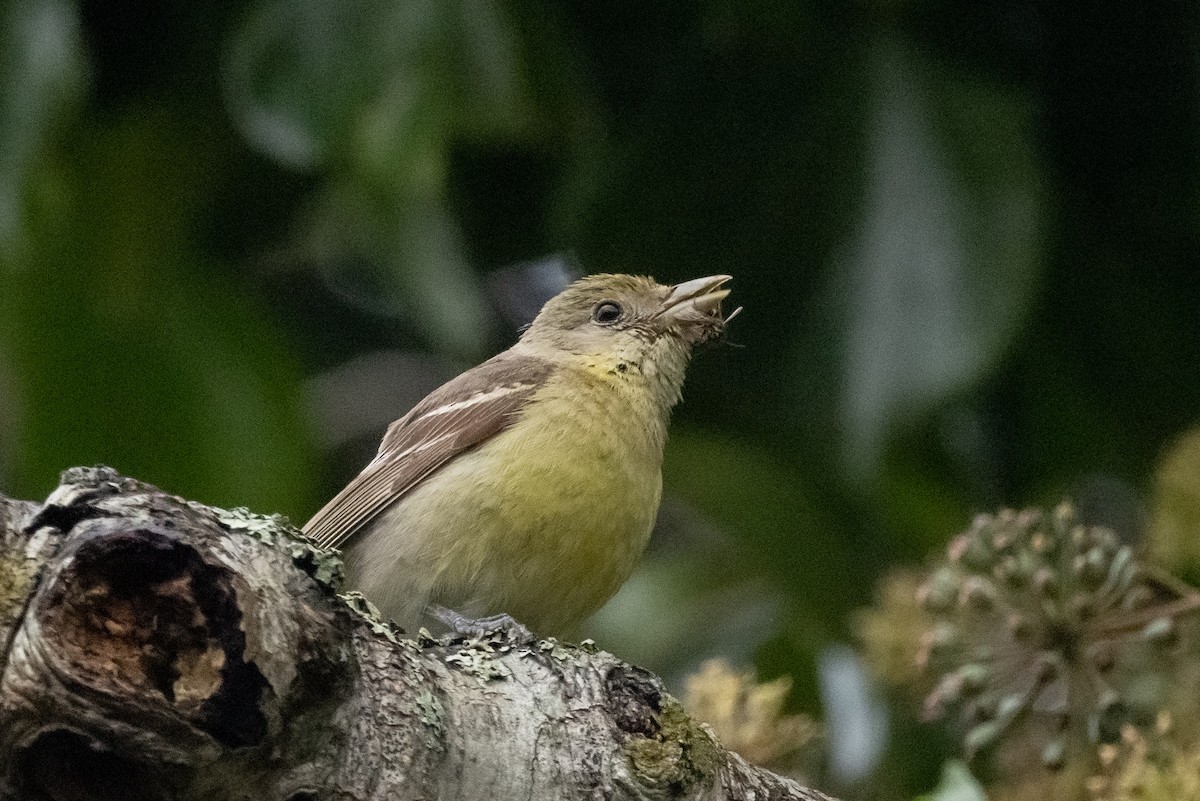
[{"x": 525, "y": 489}]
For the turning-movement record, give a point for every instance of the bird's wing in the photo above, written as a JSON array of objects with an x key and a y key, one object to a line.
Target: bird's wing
[{"x": 459, "y": 415}]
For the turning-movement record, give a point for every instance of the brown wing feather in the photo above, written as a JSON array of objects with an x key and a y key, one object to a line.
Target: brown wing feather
[{"x": 461, "y": 414}]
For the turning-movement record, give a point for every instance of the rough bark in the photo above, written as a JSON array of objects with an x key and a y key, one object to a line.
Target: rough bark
[{"x": 155, "y": 648}]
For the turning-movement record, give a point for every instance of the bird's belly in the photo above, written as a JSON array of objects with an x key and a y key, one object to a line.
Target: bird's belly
[{"x": 542, "y": 522}]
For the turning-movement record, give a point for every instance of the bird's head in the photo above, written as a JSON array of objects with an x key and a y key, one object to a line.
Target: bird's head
[{"x": 632, "y": 324}]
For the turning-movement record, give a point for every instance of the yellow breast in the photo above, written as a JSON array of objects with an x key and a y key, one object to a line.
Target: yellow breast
[{"x": 545, "y": 521}]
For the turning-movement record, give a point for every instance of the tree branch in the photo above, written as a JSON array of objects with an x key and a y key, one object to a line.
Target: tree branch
[{"x": 155, "y": 648}]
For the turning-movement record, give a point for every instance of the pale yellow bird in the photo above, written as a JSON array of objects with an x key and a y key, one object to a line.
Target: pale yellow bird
[{"x": 528, "y": 485}]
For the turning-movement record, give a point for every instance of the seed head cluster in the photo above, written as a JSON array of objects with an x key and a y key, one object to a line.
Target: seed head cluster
[{"x": 1047, "y": 633}]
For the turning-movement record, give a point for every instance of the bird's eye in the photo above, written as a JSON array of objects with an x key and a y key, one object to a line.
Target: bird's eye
[{"x": 607, "y": 312}]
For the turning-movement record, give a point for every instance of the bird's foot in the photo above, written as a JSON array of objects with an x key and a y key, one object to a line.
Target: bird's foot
[{"x": 482, "y": 627}]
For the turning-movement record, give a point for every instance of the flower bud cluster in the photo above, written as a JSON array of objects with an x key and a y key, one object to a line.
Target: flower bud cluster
[{"x": 1045, "y": 629}]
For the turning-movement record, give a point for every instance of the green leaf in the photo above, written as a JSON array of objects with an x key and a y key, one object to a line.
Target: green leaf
[
  {"x": 363, "y": 81},
  {"x": 1175, "y": 522},
  {"x": 42, "y": 75},
  {"x": 957, "y": 784},
  {"x": 421, "y": 268},
  {"x": 942, "y": 269},
  {"x": 376, "y": 93}
]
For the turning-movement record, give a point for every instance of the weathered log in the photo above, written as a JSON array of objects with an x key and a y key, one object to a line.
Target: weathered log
[{"x": 156, "y": 648}]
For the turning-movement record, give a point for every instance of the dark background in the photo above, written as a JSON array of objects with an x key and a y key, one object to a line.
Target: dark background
[{"x": 236, "y": 239}]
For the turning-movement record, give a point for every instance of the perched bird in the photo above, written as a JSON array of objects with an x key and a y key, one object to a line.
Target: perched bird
[{"x": 528, "y": 485}]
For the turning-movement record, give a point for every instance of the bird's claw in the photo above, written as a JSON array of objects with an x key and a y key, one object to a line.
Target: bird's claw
[{"x": 479, "y": 628}]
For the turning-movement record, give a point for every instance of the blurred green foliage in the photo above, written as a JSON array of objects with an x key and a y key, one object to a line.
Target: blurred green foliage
[{"x": 965, "y": 236}]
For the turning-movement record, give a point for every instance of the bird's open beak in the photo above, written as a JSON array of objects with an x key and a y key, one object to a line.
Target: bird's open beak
[
  {"x": 694, "y": 307},
  {"x": 697, "y": 299}
]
